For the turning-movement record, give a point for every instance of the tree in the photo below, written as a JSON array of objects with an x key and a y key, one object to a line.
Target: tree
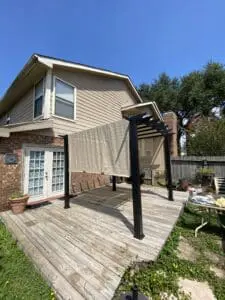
[
  {"x": 214, "y": 83},
  {"x": 163, "y": 91},
  {"x": 208, "y": 138},
  {"x": 191, "y": 93},
  {"x": 195, "y": 94}
]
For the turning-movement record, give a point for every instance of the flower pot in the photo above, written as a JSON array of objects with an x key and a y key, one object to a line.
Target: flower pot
[{"x": 18, "y": 204}]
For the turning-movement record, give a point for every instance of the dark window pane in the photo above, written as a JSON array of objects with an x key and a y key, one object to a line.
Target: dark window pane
[
  {"x": 38, "y": 106},
  {"x": 64, "y": 91},
  {"x": 64, "y": 108},
  {"x": 39, "y": 89}
]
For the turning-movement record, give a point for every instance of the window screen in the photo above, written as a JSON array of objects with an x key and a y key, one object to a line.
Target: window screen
[{"x": 64, "y": 100}]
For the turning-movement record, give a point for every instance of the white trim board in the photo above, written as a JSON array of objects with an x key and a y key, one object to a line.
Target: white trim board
[{"x": 28, "y": 126}]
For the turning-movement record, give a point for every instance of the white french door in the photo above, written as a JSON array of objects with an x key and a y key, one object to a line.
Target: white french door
[{"x": 44, "y": 173}]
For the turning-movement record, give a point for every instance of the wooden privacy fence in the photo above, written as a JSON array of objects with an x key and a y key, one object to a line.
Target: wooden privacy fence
[{"x": 186, "y": 166}]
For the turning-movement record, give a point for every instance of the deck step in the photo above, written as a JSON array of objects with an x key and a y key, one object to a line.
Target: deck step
[{"x": 219, "y": 185}]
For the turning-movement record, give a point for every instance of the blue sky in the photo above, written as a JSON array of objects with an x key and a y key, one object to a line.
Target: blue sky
[{"x": 141, "y": 38}]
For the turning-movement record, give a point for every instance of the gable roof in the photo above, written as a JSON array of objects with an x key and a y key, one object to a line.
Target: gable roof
[
  {"x": 38, "y": 60},
  {"x": 52, "y": 61}
]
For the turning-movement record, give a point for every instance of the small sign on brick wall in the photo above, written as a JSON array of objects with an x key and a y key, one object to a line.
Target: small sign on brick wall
[{"x": 10, "y": 159}]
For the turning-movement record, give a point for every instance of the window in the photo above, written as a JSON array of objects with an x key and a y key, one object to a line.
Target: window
[
  {"x": 64, "y": 99},
  {"x": 38, "y": 98}
]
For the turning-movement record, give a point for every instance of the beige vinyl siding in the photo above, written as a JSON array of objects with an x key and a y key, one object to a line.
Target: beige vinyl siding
[
  {"x": 99, "y": 100},
  {"x": 22, "y": 111}
]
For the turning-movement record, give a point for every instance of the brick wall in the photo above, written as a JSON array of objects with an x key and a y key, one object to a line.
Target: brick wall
[
  {"x": 82, "y": 181},
  {"x": 11, "y": 175},
  {"x": 170, "y": 119}
]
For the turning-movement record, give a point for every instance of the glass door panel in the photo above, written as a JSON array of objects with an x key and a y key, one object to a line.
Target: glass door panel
[
  {"x": 58, "y": 171},
  {"x": 36, "y": 173}
]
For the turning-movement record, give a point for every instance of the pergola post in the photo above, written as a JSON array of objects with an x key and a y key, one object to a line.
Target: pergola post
[
  {"x": 66, "y": 173},
  {"x": 114, "y": 183},
  {"x": 169, "y": 181},
  {"x": 135, "y": 177}
]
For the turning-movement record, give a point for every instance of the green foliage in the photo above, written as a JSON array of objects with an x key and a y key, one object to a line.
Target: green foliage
[
  {"x": 16, "y": 195},
  {"x": 191, "y": 92},
  {"x": 18, "y": 277},
  {"x": 205, "y": 171},
  {"x": 196, "y": 92},
  {"x": 208, "y": 138},
  {"x": 214, "y": 82},
  {"x": 163, "y": 91},
  {"x": 162, "y": 276}
]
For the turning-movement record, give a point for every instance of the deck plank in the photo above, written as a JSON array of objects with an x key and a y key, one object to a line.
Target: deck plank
[
  {"x": 56, "y": 254},
  {"x": 84, "y": 251}
]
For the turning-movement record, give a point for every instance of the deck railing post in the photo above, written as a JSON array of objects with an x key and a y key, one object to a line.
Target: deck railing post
[
  {"x": 114, "y": 183},
  {"x": 66, "y": 172},
  {"x": 135, "y": 177},
  {"x": 169, "y": 181}
]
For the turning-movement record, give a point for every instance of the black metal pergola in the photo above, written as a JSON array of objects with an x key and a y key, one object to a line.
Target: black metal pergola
[{"x": 140, "y": 127}]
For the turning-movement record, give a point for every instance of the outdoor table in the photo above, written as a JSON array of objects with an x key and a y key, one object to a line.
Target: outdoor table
[{"x": 209, "y": 208}]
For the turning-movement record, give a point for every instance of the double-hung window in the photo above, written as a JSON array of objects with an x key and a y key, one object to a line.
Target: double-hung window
[
  {"x": 64, "y": 100},
  {"x": 38, "y": 98}
]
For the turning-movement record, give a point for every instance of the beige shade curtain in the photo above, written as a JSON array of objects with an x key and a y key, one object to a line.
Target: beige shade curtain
[{"x": 101, "y": 150}]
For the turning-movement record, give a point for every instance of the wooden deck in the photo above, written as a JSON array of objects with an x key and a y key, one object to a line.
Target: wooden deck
[{"x": 83, "y": 251}]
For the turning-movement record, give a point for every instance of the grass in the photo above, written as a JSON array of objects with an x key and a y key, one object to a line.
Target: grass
[
  {"x": 162, "y": 276},
  {"x": 18, "y": 277}
]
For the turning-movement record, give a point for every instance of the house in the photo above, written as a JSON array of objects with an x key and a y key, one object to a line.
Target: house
[{"x": 50, "y": 98}]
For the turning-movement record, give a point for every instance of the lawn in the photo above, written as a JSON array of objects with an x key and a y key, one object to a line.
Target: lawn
[
  {"x": 18, "y": 277},
  {"x": 162, "y": 276}
]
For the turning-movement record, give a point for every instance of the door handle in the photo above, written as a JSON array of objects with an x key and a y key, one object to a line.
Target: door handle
[{"x": 46, "y": 175}]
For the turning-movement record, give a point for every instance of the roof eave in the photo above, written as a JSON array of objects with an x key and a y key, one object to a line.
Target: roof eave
[
  {"x": 33, "y": 59},
  {"x": 142, "y": 106}
]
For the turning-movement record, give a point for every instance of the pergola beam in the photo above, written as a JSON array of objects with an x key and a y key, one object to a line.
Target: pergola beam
[
  {"x": 145, "y": 136},
  {"x": 135, "y": 177},
  {"x": 160, "y": 130},
  {"x": 141, "y": 126},
  {"x": 114, "y": 183},
  {"x": 66, "y": 173},
  {"x": 168, "y": 167}
]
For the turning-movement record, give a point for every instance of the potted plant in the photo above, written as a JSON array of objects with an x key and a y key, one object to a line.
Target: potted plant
[
  {"x": 205, "y": 175},
  {"x": 18, "y": 202}
]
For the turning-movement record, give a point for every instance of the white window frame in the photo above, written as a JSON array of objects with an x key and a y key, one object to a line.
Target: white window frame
[
  {"x": 74, "y": 99},
  {"x": 43, "y": 100},
  {"x": 47, "y": 190}
]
